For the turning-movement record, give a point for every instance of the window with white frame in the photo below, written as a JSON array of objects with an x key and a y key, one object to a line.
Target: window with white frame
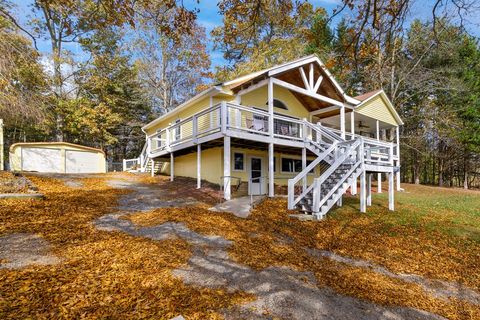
[
  {"x": 289, "y": 165},
  {"x": 238, "y": 161}
]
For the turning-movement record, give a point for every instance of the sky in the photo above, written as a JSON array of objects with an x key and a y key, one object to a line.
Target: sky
[{"x": 209, "y": 17}]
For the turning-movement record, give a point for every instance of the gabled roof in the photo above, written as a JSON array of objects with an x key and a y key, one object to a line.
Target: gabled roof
[
  {"x": 366, "y": 97},
  {"x": 275, "y": 70},
  {"x": 232, "y": 86}
]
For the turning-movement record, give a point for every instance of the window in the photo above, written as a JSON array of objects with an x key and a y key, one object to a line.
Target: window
[
  {"x": 293, "y": 165},
  {"x": 238, "y": 161},
  {"x": 278, "y": 104}
]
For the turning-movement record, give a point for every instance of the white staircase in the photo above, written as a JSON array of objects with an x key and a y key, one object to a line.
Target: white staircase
[{"x": 340, "y": 162}]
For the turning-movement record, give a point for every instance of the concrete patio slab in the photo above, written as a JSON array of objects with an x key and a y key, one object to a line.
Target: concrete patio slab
[{"x": 240, "y": 207}]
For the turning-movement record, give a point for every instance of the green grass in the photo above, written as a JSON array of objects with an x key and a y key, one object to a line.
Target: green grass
[{"x": 454, "y": 212}]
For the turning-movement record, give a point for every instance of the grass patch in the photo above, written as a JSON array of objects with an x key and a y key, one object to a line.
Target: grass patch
[
  {"x": 403, "y": 241},
  {"x": 455, "y": 212}
]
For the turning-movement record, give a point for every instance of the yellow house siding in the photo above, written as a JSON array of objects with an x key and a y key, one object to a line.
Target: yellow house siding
[
  {"x": 377, "y": 108},
  {"x": 281, "y": 178},
  {"x": 196, "y": 107},
  {"x": 186, "y": 165},
  {"x": 258, "y": 98},
  {"x": 212, "y": 165}
]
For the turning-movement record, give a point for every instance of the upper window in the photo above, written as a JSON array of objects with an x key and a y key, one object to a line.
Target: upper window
[{"x": 278, "y": 104}]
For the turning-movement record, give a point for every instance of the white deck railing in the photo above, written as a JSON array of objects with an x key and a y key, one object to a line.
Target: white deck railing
[
  {"x": 375, "y": 150},
  {"x": 230, "y": 117}
]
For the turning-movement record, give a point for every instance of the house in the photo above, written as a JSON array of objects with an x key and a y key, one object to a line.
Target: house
[{"x": 290, "y": 128}]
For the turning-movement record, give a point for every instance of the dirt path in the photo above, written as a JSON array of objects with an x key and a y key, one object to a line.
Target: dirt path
[
  {"x": 18, "y": 250},
  {"x": 281, "y": 292}
]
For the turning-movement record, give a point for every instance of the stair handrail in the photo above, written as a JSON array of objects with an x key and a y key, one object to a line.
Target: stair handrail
[
  {"x": 323, "y": 131},
  {"x": 292, "y": 201},
  {"x": 317, "y": 184},
  {"x": 143, "y": 157}
]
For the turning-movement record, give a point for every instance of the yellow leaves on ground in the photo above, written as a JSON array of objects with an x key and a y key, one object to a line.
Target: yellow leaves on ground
[
  {"x": 269, "y": 238},
  {"x": 102, "y": 274}
]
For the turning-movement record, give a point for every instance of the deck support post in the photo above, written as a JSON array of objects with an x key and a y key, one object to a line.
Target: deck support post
[
  {"x": 172, "y": 166},
  {"x": 226, "y": 168},
  {"x": 369, "y": 190},
  {"x": 353, "y": 188},
  {"x": 363, "y": 187},
  {"x": 152, "y": 163},
  {"x": 271, "y": 173},
  {"x": 304, "y": 165},
  {"x": 352, "y": 124},
  {"x": 379, "y": 177},
  {"x": 270, "y": 107},
  {"x": 397, "y": 131},
  {"x": 391, "y": 191},
  {"x": 342, "y": 121},
  {"x": 199, "y": 166},
  {"x": 379, "y": 182}
]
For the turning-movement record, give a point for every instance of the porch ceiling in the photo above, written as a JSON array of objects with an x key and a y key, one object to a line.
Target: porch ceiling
[{"x": 362, "y": 123}]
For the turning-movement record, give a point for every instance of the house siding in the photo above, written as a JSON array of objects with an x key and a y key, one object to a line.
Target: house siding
[
  {"x": 258, "y": 98},
  {"x": 212, "y": 165},
  {"x": 377, "y": 109},
  {"x": 186, "y": 165}
]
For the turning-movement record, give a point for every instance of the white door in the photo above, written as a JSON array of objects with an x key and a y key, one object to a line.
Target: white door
[
  {"x": 41, "y": 160},
  {"x": 256, "y": 174},
  {"x": 82, "y": 162}
]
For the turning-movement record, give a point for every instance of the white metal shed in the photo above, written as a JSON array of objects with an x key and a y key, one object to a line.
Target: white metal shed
[{"x": 56, "y": 157}]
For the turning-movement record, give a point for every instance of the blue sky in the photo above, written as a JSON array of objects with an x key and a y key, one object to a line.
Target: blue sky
[{"x": 209, "y": 17}]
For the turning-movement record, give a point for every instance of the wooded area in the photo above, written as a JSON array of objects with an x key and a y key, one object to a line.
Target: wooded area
[{"x": 140, "y": 59}]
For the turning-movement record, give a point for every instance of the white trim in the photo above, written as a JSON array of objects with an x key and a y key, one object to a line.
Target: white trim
[
  {"x": 254, "y": 87},
  {"x": 292, "y": 65},
  {"x": 292, "y": 87},
  {"x": 324, "y": 110},
  {"x": 317, "y": 84},
  {"x": 226, "y": 168},
  {"x": 310, "y": 77},
  {"x": 249, "y": 173},
  {"x": 172, "y": 172},
  {"x": 199, "y": 166},
  {"x": 271, "y": 170},
  {"x": 388, "y": 103},
  {"x": 304, "y": 78},
  {"x": 293, "y": 157},
  {"x": 391, "y": 203}
]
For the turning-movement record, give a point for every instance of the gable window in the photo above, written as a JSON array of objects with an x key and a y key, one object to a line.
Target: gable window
[
  {"x": 278, "y": 104},
  {"x": 238, "y": 161}
]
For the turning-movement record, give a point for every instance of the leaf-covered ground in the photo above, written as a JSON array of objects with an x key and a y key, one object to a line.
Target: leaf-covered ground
[
  {"x": 433, "y": 233},
  {"x": 10, "y": 183},
  {"x": 102, "y": 275}
]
